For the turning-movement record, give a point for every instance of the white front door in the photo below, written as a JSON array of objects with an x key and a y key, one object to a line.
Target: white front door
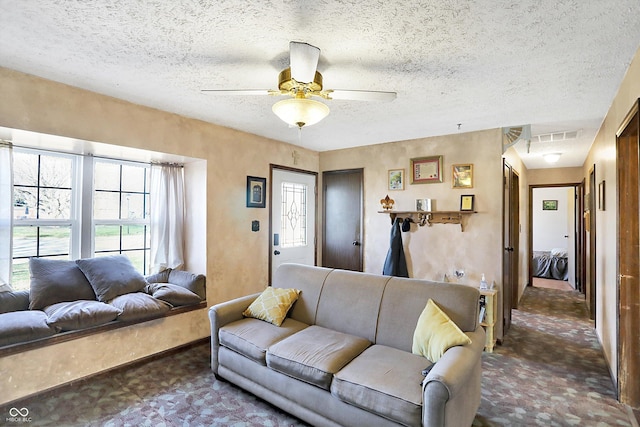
[{"x": 293, "y": 218}]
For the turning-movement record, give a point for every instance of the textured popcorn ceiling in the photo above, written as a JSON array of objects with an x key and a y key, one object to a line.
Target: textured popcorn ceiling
[{"x": 555, "y": 64}]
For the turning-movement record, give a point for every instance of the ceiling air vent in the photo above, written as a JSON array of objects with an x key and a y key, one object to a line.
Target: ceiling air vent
[{"x": 555, "y": 136}]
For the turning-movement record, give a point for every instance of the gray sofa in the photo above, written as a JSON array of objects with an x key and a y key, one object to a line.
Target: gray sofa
[
  {"x": 70, "y": 296},
  {"x": 343, "y": 356}
]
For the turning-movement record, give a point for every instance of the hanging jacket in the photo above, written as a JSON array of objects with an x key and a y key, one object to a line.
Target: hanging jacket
[{"x": 396, "y": 263}]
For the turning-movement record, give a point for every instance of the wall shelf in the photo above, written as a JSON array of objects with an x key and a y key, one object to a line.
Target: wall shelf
[{"x": 431, "y": 217}]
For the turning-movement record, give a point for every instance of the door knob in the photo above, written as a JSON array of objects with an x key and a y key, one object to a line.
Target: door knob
[
  {"x": 276, "y": 252},
  {"x": 355, "y": 243}
]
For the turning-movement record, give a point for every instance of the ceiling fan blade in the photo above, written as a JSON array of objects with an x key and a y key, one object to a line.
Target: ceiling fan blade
[
  {"x": 243, "y": 91},
  {"x": 304, "y": 61},
  {"x": 360, "y": 95}
]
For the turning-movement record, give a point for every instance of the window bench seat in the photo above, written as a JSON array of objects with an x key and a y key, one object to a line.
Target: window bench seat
[{"x": 59, "y": 307}]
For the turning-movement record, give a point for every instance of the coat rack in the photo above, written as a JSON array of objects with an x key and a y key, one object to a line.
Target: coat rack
[{"x": 423, "y": 218}]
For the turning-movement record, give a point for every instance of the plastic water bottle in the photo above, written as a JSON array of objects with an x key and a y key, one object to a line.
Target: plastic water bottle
[{"x": 483, "y": 283}]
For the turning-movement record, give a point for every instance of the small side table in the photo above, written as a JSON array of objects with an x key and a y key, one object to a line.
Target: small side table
[{"x": 490, "y": 317}]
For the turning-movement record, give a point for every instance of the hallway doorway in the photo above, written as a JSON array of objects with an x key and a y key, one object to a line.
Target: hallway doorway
[{"x": 555, "y": 227}]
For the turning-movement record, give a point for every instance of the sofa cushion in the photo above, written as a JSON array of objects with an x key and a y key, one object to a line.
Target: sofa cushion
[
  {"x": 173, "y": 294},
  {"x": 252, "y": 337},
  {"x": 435, "y": 333},
  {"x": 70, "y": 316},
  {"x": 384, "y": 380},
  {"x": 56, "y": 280},
  {"x": 315, "y": 354},
  {"x": 14, "y": 301},
  {"x": 111, "y": 276},
  {"x": 399, "y": 314},
  {"x": 350, "y": 302},
  {"x": 272, "y": 305},
  {"x": 21, "y": 326},
  {"x": 138, "y": 305}
]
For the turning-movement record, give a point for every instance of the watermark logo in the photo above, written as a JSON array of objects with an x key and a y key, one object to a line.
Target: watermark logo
[{"x": 18, "y": 415}]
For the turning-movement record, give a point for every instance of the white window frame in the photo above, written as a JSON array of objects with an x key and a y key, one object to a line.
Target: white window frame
[{"x": 121, "y": 222}]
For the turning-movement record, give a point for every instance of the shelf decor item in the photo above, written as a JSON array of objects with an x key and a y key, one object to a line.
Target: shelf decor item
[
  {"x": 462, "y": 176},
  {"x": 423, "y": 205},
  {"x": 256, "y": 192},
  {"x": 425, "y": 170},
  {"x": 466, "y": 202},
  {"x": 387, "y": 203}
]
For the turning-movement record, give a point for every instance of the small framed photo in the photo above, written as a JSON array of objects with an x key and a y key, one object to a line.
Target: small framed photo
[
  {"x": 601, "y": 196},
  {"x": 426, "y": 170},
  {"x": 256, "y": 192},
  {"x": 396, "y": 179},
  {"x": 549, "y": 205},
  {"x": 467, "y": 202},
  {"x": 462, "y": 176},
  {"x": 423, "y": 205}
]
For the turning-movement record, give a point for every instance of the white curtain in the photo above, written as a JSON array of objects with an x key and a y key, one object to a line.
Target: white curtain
[
  {"x": 167, "y": 217},
  {"x": 6, "y": 214}
]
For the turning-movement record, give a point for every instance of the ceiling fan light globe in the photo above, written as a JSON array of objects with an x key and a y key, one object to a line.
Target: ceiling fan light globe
[{"x": 300, "y": 111}]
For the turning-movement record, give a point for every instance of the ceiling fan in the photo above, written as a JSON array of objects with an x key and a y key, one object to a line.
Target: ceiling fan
[
  {"x": 301, "y": 81},
  {"x": 513, "y": 134}
]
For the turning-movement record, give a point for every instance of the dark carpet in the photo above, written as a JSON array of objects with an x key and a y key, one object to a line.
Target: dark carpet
[{"x": 550, "y": 371}]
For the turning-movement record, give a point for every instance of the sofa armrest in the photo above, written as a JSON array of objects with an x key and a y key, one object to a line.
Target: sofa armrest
[
  {"x": 456, "y": 377},
  {"x": 222, "y": 314}
]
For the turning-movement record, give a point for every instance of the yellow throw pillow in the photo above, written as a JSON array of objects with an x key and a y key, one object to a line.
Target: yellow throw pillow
[
  {"x": 272, "y": 305},
  {"x": 435, "y": 333}
]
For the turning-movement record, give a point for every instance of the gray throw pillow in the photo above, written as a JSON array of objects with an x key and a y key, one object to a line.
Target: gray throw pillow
[
  {"x": 111, "y": 276},
  {"x": 173, "y": 294},
  {"x": 14, "y": 301},
  {"x": 138, "y": 305},
  {"x": 161, "y": 277},
  {"x": 70, "y": 316},
  {"x": 23, "y": 326},
  {"x": 196, "y": 283},
  {"x": 54, "y": 281}
]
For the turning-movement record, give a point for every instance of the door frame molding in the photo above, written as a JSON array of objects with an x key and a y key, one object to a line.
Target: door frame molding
[
  {"x": 272, "y": 167},
  {"x": 628, "y": 360},
  {"x": 578, "y": 226}
]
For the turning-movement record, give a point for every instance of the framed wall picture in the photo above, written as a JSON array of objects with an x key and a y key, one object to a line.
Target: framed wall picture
[
  {"x": 256, "y": 192},
  {"x": 426, "y": 170},
  {"x": 467, "y": 202},
  {"x": 549, "y": 205},
  {"x": 396, "y": 179},
  {"x": 462, "y": 176}
]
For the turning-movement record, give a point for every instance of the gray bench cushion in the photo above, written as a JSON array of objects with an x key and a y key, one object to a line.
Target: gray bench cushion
[
  {"x": 386, "y": 381},
  {"x": 252, "y": 337},
  {"x": 315, "y": 354},
  {"x": 19, "y": 326}
]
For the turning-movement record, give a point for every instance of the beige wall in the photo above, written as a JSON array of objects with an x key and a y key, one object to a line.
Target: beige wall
[
  {"x": 433, "y": 251},
  {"x": 555, "y": 176},
  {"x": 603, "y": 156},
  {"x": 236, "y": 258}
]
